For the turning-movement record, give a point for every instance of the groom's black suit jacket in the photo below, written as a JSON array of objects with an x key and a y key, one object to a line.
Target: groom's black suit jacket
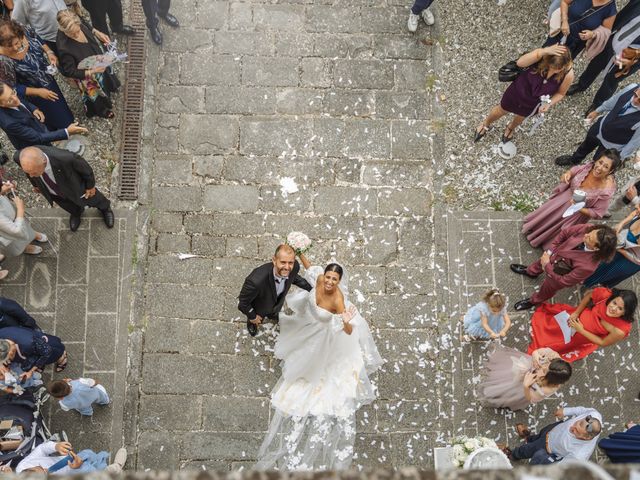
[{"x": 258, "y": 294}]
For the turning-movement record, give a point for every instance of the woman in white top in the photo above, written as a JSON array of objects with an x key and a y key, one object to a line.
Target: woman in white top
[{"x": 16, "y": 233}]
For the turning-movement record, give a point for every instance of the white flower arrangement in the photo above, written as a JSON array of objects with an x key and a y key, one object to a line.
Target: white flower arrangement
[
  {"x": 300, "y": 242},
  {"x": 465, "y": 446}
]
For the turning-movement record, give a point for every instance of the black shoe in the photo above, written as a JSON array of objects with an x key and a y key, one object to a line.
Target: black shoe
[
  {"x": 126, "y": 30},
  {"x": 170, "y": 19},
  {"x": 108, "y": 217},
  {"x": 566, "y": 161},
  {"x": 574, "y": 88},
  {"x": 74, "y": 222},
  {"x": 252, "y": 328},
  {"x": 591, "y": 108},
  {"x": 523, "y": 305},
  {"x": 521, "y": 270},
  {"x": 479, "y": 134},
  {"x": 156, "y": 35}
]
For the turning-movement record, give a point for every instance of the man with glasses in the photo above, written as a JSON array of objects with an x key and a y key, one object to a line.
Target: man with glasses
[
  {"x": 574, "y": 438},
  {"x": 618, "y": 127}
]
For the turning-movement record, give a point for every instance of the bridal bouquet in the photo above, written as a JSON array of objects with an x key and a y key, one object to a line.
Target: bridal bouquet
[
  {"x": 299, "y": 242},
  {"x": 463, "y": 447}
]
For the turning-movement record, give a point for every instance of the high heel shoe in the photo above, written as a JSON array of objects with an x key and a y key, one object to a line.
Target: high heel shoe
[
  {"x": 481, "y": 132},
  {"x": 507, "y": 137}
]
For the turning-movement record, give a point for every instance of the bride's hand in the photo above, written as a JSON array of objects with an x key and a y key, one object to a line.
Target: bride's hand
[{"x": 349, "y": 314}]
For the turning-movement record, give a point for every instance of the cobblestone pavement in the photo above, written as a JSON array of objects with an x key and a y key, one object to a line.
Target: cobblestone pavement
[
  {"x": 243, "y": 95},
  {"x": 77, "y": 289}
]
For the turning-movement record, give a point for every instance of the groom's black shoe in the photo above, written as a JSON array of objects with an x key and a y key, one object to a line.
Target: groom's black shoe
[
  {"x": 523, "y": 305},
  {"x": 252, "y": 328},
  {"x": 521, "y": 270}
]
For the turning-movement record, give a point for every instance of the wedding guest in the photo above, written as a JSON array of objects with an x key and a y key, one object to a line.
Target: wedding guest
[
  {"x": 59, "y": 458},
  {"x": 23, "y": 66},
  {"x": 65, "y": 178},
  {"x": 16, "y": 234},
  {"x": 514, "y": 380},
  {"x": 79, "y": 394},
  {"x": 606, "y": 323},
  {"x": 574, "y": 254},
  {"x": 31, "y": 349},
  {"x": 623, "y": 447},
  {"x": 265, "y": 288},
  {"x": 75, "y": 43},
  {"x": 629, "y": 194},
  {"x": 488, "y": 318},
  {"x": 618, "y": 128},
  {"x": 419, "y": 9},
  {"x": 99, "y": 9},
  {"x": 549, "y": 71},
  {"x": 583, "y": 21},
  {"x": 153, "y": 11},
  {"x": 626, "y": 262},
  {"x": 595, "y": 179},
  {"x": 24, "y": 124},
  {"x": 41, "y": 16},
  {"x": 574, "y": 438},
  {"x": 618, "y": 59},
  {"x": 13, "y": 315}
]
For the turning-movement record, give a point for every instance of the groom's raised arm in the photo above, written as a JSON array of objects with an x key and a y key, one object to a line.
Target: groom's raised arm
[
  {"x": 302, "y": 283},
  {"x": 248, "y": 294}
]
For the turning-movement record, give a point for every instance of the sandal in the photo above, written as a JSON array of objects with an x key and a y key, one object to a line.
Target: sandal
[
  {"x": 43, "y": 238},
  {"x": 507, "y": 137},
  {"x": 480, "y": 132},
  {"x": 60, "y": 366},
  {"x": 33, "y": 250},
  {"x": 522, "y": 430},
  {"x": 109, "y": 114}
]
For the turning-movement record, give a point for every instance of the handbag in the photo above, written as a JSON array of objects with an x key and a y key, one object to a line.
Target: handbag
[
  {"x": 509, "y": 71},
  {"x": 555, "y": 20},
  {"x": 562, "y": 267},
  {"x": 629, "y": 54}
]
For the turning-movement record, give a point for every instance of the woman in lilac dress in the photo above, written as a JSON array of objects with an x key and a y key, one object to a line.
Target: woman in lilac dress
[
  {"x": 595, "y": 179},
  {"x": 548, "y": 71}
]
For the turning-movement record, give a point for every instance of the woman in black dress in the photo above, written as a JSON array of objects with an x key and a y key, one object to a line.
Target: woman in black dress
[{"x": 76, "y": 41}]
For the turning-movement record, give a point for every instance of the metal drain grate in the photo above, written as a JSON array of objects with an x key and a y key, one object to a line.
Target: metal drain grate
[{"x": 133, "y": 106}]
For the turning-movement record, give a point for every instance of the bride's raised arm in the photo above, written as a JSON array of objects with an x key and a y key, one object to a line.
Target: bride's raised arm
[{"x": 305, "y": 261}]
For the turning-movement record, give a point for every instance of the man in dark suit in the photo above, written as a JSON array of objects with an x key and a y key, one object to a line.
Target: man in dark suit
[
  {"x": 581, "y": 248},
  {"x": 264, "y": 290},
  {"x": 155, "y": 9},
  {"x": 23, "y": 122},
  {"x": 99, "y": 9},
  {"x": 65, "y": 178}
]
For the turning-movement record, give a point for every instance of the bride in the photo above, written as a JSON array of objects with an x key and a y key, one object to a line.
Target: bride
[{"x": 327, "y": 354}]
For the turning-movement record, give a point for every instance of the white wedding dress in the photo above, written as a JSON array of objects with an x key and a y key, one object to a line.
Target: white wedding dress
[{"x": 325, "y": 379}]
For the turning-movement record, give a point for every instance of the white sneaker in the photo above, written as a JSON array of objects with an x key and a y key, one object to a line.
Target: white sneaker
[
  {"x": 427, "y": 16},
  {"x": 412, "y": 23},
  {"x": 121, "y": 457}
]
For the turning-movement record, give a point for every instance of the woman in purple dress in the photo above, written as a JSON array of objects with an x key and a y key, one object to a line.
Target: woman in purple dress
[
  {"x": 547, "y": 71},
  {"x": 595, "y": 179}
]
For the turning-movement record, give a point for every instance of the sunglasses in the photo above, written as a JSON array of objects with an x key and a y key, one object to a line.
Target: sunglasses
[{"x": 590, "y": 420}]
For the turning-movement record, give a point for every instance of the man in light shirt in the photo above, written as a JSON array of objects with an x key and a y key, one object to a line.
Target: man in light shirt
[{"x": 574, "y": 438}]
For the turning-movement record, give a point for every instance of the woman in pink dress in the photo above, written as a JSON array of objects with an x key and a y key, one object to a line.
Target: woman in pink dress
[
  {"x": 514, "y": 380},
  {"x": 595, "y": 179}
]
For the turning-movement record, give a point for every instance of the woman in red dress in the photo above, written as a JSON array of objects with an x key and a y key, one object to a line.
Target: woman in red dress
[{"x": 607, "y": 322}]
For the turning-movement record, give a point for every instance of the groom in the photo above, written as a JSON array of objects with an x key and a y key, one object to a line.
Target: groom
[{"x": 263, "y": 291}]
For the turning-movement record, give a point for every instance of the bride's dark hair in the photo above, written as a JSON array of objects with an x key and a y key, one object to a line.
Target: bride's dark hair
[{"x": 334, "y": 267}]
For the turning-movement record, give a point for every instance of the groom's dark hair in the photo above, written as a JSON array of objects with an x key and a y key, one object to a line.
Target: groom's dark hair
[
  {"x": 334, "y": 267},
  {"x": 285, "y": 247}
]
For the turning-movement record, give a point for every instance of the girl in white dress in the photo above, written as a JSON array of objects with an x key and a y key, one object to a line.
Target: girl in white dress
[{"x": 327, "y": 354}]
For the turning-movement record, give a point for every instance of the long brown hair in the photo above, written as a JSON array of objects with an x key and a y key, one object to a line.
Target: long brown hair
[{"x": 563, "y": 61}]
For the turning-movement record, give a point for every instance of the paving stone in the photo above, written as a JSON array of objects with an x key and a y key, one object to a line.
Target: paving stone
[
  {"x": 231, "y": 198},
  {"x": 184, "y": 198},
  {"x": 349, "y": 170},
  {"x": 332, "y": 19},
  {"x": 379, "y": 20},
  {"x": 181, "y": 99},
  {"x": 330, "y": 136},
  {"x": 211, "y": 15},
  {"x": 41, "y": 279},
  {"x": 412, "y": 106},
  {"x": 412, "y": 448},
  {"x": 411, "y": 75},
  {"x": 313, "y": 171},
  {"x": 72, "y": 309},
  {"x": 73, "y": 267},
  {"x": 279, "y": 17},
  {"x": 253, "y": 376},
  {"x": 173, "y": 172},
  {"x": 273, "y": 72},
  {"x": 208, "y": 245},
  {"x": 207, "y": 374},
  {"x": 345, "y": 201},
  {"x": 208, "y": 166},
  {"x": 368, "y": 138},
  {"x": 396, "y": 46},
  {"x": 241, "y": 100},
  {"x": 409, "y": 280},
  {"x": 168, "y": 140},
  {"x": 242, "y": 247},
  {"x": 372, "y": 451},
  {"x": 197, "y": 301},
  {"x": 274, "y": 136},
  {"x": 293, "y": 44},
  {"x": 188, "y": 40},
  {"x": 172, "y": 242},
  {"x": 349, "y": 103},
  {"x": 214, "y": 445},
  {"x": 405, "y": 201},
  {"x": 100, "y": 355},
  {"x": 245, "y": 43},
  {"x": 315, "y": 72},
  {"x": 250, "y": 169},
  {"x": 240, "y": 16},
  {"x": 396, "y": 174},
  {"x": 411, "y": 139},
  {"x": 157, "y": 450},
  {"x": 225, "y": 224},
  {"x": 102, "y": 292},
  {"x": 231, "y": 414},
  {"x": 373, "y": 74},
  {"x": 166, "y": 222},
  {"x": 203, "y": 68},
  {"x": 272, "y": 200},
  {"x": 169, "y": 70},
  {"x": 295, "y": 101},
  {"x": 170, "y": 412},
  {"x": 342, "y": 45},
  {"x": 206, "y": 134},
  {"x": 170, "y": 269}
]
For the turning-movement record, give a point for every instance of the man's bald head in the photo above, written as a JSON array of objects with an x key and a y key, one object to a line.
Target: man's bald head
[{"x": 33, "y": 161}]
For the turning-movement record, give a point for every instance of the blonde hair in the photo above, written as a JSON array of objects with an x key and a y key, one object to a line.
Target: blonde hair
[
  {"x": 494, "y": 298},
  {"x": 67, "y": 19}
]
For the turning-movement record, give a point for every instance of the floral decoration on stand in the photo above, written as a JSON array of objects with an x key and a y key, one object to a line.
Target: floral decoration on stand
[
  {"x": 465, "y": 448},
  {"x": 300, "y": 242}
]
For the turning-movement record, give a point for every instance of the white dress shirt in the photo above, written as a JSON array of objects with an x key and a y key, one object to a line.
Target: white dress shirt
[
  {"x": 563, "y": 443},
  {"x": 41, "y": 456},
  {"x": 280, "y": 281}
]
